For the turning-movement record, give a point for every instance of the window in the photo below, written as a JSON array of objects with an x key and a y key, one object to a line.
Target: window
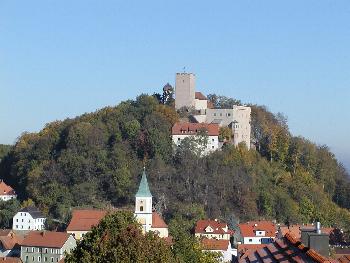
[
  {"x": 46, "y": 250},
  {"x": 250, "y": 240},
  {"x": 33, "y": 259},
  {"x": 17, "y": 226},
  {"x": 27, "y": 249},
  {"x": 26, "y": 258},
  {"x": 214, "y": 114},
  {"x": 212, "y": 140},
  {"x": 178, "y": 139},
  {"x": 39, "y": 258},
  {"x": 51, "y": 259},
  {"x": 22, "y": 226},
  {"x": 17, "y": 220},
  {"x": 212, "y": 147},
  {"x": 45, "y": 259},
  {"x": 22, "y": 220},
  {"x": 141, "y": 208},
  {"x": 228, "y": 114}
]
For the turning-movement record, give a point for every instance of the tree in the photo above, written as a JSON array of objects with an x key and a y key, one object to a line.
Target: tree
[
  {"x": 119, "y": 238},
  {"x": 7, "y": 210}
]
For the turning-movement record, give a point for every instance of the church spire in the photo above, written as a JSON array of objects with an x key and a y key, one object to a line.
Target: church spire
[{"x": 143, "y": 187}]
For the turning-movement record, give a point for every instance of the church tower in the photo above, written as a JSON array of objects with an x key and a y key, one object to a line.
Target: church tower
[{"x": 143, "y": 204}]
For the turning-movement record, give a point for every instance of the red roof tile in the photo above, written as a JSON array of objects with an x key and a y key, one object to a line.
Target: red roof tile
[
  {"x": 295, "y": 230},
  {"x": 84, "y": 220},
  {"x": 10, "y": 260},
  {"x": 200, "y": 96},
  {"x": 6, "y": 189},
  {"x": 248, "y": 229},
  {"x": 186, "y": 128},
  {"x": 216, "y": 225},
  {"x": 344, "y": 259},
  {"x": 10, "y": 241},
  {"x": 5, "y": 232},
  {"x": 45, "y": 239},
  {"x": 287, "y": 249},
  {"x": 157, "y": 221},
  {"x": 215, "y": 244}
]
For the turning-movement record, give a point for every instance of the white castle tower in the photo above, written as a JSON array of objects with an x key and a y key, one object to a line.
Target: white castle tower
[{"x": 143, "y": 204}]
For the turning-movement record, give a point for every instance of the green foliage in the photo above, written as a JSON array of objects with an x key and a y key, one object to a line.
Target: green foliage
[
  {"x": 95, "y": 160},
  {"x": 118, "y": 238},
  {"x": 4, "y": 150},
  {"x": 7, "y": 210}
]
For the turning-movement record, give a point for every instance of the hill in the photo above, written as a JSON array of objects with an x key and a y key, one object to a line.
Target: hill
[{"x": 96, "y": 159}]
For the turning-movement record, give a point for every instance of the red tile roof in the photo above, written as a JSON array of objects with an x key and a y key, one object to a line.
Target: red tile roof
[
  {"x": 5, "y": 232},
  {"x": 157, "y": 221},
  {"x": 6, "y": 189},
  {"x": 344, "y": 259},
  {"x": 216, "y": 225},
  {"x": 10, "y": 241},
  {"x": 215, "y": 244},
  {"x": 84, "y": 220},
  {"x": 200, "y": 96},
  {"x": 45, "y": 239},
  {"x": 187, "y": 128},
  {"x": 287, "y": 249},
  {"x": 10, "y": 260},
  {"x": 248, "y": 229},
  {"x": 295, "y": 230},
  {"x": 245, "y": 249}
]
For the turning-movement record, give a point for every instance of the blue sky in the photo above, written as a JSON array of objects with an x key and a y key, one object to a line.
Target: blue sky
[{"x": 59, "y": 59}]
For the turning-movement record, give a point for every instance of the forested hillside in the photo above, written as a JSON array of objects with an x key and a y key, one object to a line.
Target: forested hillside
[{"x": 96, "y": 160}]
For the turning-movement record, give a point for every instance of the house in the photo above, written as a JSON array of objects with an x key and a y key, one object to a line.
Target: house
[
  {"x": 149, "y": 219},
  {"x": 6, "y": 192},
  {"x": 212, "y": 229},
  {"x": 287, "y": 249},
  {"x": 83, "y": 220},
  {"x": 29, "y": 218},
  {"x": 221, "y": 246},
  {"x": 46, "y": 246},
  {"x": 257, "y": 232},
  {"x": 9, "y": 243},
  {"x": 180, "y": 131},
  {"x": 295, "y": 230}
]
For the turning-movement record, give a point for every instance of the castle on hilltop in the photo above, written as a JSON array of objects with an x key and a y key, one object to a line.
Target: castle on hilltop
[{"x": 236, "y": 118}]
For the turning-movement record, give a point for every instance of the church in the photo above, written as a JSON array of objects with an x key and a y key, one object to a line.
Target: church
[{"x": 144, "y": 213}]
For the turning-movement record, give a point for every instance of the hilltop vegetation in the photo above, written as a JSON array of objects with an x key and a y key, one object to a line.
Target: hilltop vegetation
[{"x": 96, "y": 159}]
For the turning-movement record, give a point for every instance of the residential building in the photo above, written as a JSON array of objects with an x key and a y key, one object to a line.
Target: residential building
[
  {"x": 257, "y": 232},
  {"x": 149, "y": 219},
  {"x": 29, "y": 218},
  {"x": 221, "y": 246},
  {"x": 182, "y": 130},
  {"x": 287, "y": 249},
  {"x": 9, "y": 243},
  {"x": 83, "y": 220},
  {"x": 46, "y": 246},
  {"x": 295, "y": 230},
  {"x": 6, "y": 192},
  {"x": 212, "y": 229},
  {"x": 10, "y": 260}
]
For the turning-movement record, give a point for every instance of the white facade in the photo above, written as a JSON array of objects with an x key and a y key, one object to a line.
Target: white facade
[
  {"x": 238, "y": 118},
  {"x": 226, "y": 255},
  {"x": 200, "y": 104},
  {"x": 25, "y": 221},
  {"x": 185, "y": 90},
  {"x": 143, "y": 212},
  {"x": 7, "y": 197},
  {"x": 212, "y": 143}
]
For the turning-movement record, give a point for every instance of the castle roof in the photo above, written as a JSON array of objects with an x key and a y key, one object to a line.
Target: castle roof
[{"x": 143, "y": 187}]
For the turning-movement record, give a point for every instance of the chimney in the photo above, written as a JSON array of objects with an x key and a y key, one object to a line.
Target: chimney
[{"x": 315, "y": 239}]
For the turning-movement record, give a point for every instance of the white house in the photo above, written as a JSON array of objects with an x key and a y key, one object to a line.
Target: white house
[
  {"x": 29, "y": 218},
  {"x": 257, "y": 232},
  {"x": 221, "y": 246},
  {"x": 6, "y": 192},
  {"x": 212, "y": 229},
  {"x": 149, "y": 219},
  {"x": 182, "y": 130}
]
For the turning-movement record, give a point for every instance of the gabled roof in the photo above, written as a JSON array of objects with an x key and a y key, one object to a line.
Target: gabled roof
[
  {"x": 200, "y": 96},
  {"x": 6, "y": 189},
  {"x": 33, "y": 211},
  {"x": 157, "y": 221},
  {"x": 287, "y": 249},
  {"x": 84, "y": 220},
  {"x": 215, "y": 244},
  {"x": 187, "y": 128},
  {"x": 8, "y": 242},
  {"x": 45, "y": 239},
  {"x": 216, "y": 225},
  {"x": 143, "y": 190},
  {"x": 249, "y": 229}
]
